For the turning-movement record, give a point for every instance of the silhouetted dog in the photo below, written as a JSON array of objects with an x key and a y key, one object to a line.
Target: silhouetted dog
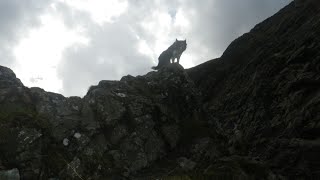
[{"x": 172, "y": 53}]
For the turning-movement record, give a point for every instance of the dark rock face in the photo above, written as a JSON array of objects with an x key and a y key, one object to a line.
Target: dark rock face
[
  {"x": 263, "y": 93},
  {"x": 118, "y": 128},
  {"x": 251, "y": 114}
]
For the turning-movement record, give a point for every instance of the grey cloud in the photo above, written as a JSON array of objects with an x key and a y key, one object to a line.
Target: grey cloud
[
  {"x": 16, "y": 17},
  {"x": 35, "y": 79},
  {"x": 141, "y": 10},
  {"x": 72, "y": 17},
  {"x": 111, "y": 54}
]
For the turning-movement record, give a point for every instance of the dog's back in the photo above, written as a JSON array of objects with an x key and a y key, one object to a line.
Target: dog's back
[{"x": 164, "y": 59}]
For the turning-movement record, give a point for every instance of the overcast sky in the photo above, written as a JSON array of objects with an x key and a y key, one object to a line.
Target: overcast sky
[{"x": 65, "y": 46}]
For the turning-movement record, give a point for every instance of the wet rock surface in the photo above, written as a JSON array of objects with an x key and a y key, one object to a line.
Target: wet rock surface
[{"x": 251, "y": 114}]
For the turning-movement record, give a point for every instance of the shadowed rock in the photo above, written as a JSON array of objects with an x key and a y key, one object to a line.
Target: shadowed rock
[{"x": 253, "y": 113}]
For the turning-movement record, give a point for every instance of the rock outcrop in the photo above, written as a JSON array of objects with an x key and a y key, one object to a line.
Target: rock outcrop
[
  {"x": 263, "y": 93},
  {"x": 251, "y": 114},
  {"x": 118, "y": 128}
]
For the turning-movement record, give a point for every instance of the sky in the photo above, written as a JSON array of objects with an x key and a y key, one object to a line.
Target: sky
[{"x": 65, "y": 46}]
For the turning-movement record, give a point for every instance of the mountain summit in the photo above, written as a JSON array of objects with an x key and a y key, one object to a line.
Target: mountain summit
[{"x": 253, "y": 113}]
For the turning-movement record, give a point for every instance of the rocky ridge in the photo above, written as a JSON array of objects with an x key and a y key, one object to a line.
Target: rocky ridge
[{"x": 250, "y": 114}]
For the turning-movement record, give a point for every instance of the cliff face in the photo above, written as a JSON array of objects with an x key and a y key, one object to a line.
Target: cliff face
[
  {"x": 118, "y": 128},
  {"x": 263, "y": 93},
  {"x": 253, "y": 113}
]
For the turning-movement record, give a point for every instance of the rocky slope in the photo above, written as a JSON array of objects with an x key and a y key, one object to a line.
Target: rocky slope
[{"x": 251, "y": 114}]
